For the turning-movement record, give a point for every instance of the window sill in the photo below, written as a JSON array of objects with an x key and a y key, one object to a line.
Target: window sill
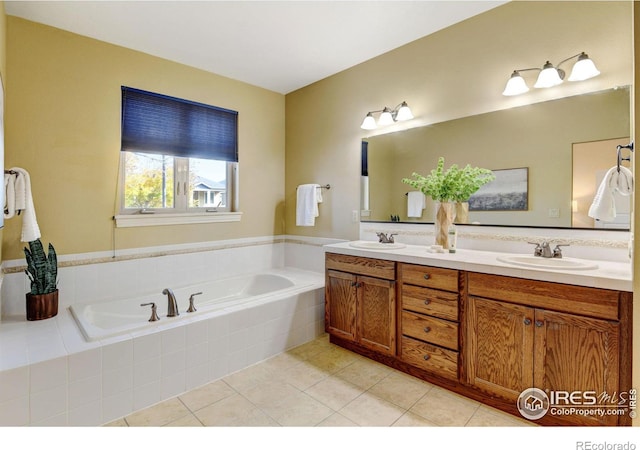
[{"x": 148, "y": 220}]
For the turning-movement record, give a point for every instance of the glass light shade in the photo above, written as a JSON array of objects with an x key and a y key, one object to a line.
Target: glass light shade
[
  {"x": 404, "y": 113},
  {"x": 548, "y": 77},
  {"x": 583, "y": 69},
  {"x": 385, "y": 117},
  {"x": 515, "y": 85},
  {"x": 369, "y": 123}
]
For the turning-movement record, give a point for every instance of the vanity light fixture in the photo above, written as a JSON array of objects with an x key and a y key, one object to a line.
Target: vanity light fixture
[
  {"x": 551, "y": 75},
  {"x": 387, "y": 116}
]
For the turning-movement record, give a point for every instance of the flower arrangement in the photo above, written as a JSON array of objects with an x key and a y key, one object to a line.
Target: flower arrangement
[{"x": 454, "y": 184}]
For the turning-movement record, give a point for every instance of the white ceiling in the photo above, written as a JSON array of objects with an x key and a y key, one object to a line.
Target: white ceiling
[{"x": 278, "y": 45}]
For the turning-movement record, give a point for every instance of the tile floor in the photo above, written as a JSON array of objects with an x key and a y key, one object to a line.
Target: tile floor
[{"x": 319, "y": 384}]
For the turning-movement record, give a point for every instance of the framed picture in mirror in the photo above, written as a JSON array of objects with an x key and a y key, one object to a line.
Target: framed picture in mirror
[{"x": 508, "y": 192}]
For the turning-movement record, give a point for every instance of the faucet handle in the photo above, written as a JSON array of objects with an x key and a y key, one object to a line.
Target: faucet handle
[
  {"x": 538, "y": 250},
  {"x": 557, "y": 252},
  {"x": 192, "y": 308},
  {"x": 154, "y": 314}
]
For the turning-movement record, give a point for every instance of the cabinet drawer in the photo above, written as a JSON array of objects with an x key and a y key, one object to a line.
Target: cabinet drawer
[
  {"x": 436, "y": 360},
  {"x": 430, "y": 329},
  {"x": 431, "y": 277},
  {"x": 362, "y": 266},
  {"x": 587, "y": 301},
  {"x": 430, "y": 301}
]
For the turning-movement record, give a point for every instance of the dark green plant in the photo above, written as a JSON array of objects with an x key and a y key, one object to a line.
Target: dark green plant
[{"x": 42, "y": 269}]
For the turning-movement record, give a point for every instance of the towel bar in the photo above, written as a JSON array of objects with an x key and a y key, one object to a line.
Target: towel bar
[{"x": 620, "y": 158}]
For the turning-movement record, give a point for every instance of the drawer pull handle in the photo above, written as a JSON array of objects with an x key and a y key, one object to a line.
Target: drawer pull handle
[
  {"x": 539, "y": 323},
  {"x": 427, "y": 302},
  {"x": 427, "y": 329},
  {"x": 527, "y": 321},
  {"x": 426, "y": 276},
  {"x": 426, "y": 357}
]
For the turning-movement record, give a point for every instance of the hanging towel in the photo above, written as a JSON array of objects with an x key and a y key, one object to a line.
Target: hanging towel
[
  {"x": 416, "y": 202},
  {"x": 30, "y": 229},
  {"x": 9, "y": 195},
  {"x": 308, "y": 197},
  {"x": 615, "y": 181}
]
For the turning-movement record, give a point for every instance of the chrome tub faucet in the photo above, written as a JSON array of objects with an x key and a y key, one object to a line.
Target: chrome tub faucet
[{"x": 172, "y": 305}]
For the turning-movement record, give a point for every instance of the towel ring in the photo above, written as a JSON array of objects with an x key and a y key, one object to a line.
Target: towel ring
[{"x": 620, "y": 158}]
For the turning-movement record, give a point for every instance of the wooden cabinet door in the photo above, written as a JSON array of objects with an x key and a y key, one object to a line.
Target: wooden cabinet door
[
  {"x": 499, "y": 352},
  {"x": 575, "y": 353},
  {"x": 376, "y": 314},
  {"x": 340, "y": 306}
]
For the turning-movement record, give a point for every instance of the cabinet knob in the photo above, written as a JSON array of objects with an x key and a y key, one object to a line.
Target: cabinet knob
[
  {"x": 427, "y": 302},
  {"x": 527, "y": 321},
  {"x": 539, "y": 323},
  {"x": 426, "y": 357},
  {"x": 426, "y": 276},
  {"x": 427, "y": 329}
]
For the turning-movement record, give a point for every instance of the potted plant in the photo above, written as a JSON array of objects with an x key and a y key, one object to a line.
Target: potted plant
[
  {"x": 447, "y": 188},
  {"x": 42, "y": 270}
]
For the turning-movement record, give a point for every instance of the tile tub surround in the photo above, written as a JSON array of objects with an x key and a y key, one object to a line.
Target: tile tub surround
[{"x": 49, "y": 375}]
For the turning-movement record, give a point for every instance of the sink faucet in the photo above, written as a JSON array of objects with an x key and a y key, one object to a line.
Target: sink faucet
[
  {"x": 383, "y": 238},
  {"x": 172, "y": 306}
]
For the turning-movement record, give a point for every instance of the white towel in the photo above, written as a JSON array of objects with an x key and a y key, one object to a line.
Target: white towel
[
  {"x": 615, "y": 181},
  {"x": 9, "y": 195},
  {"x": 308, "y": 197},
  {"x": 30, "y": 229},
  {"x": 416, "y": 202}
]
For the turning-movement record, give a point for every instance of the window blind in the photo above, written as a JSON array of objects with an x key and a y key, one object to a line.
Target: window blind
[{"x": 156, "y": 123}]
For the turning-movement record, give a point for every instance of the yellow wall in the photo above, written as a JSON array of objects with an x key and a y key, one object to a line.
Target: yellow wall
[
  {"x": 456, "y": 72},
  {"x": 63, "y": 126}
]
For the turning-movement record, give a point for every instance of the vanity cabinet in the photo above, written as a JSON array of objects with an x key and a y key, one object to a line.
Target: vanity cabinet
[
  {"x": 429, "y": 319},
  {"x": 555, "y": 337},
  {"x": 362, "y": 301}
]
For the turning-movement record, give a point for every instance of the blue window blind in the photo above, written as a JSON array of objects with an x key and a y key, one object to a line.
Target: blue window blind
[{"x": 155, "y": 123}]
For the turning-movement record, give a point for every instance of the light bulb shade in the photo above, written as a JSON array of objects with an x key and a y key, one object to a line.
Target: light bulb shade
[
  {"x": 583, "y": 69},
  {"x": 404, "y": 113},
  {"x": 386, "y": 118},
  {"x": 369, "y": 123},
  {"x": 548, "y": 77},
  {"x": 515, "y": 85}
]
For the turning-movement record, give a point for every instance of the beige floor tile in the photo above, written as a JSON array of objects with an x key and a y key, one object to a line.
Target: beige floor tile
[
  {"x": 158, "y": 415},
  {"x": 334, "y": 392},
  {"x": 486, "y": 416},
  {"x": 445, "y": 408},
  {"x": 298, "y": 410},
  {"x": 249, "y": 377},
  {"x": 117, "y": 423},
  {"x": 311, "y": 348},
  {"x": 206, "y": 395},
  {"x": 282, "y": 362},
  {"x": 304, "y": 375},
  {"x": 400, "y": 389},
  {"x": 270, "y": 393},
  {"x": 410, "y": 419},
  {"x": 186, "y": 421},
  {"x": 364, "y": 373},
  {"x": 337, "y": 420},
  {"x": 369, "y": 410},
  {"x": 233, "y": 411},
  {"x": 333, "y": 359}
]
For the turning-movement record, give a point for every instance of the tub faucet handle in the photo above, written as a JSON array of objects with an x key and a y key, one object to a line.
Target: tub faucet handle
[
  {"x": 154, "y": 311},
  {"x": 192, "y": 308}
]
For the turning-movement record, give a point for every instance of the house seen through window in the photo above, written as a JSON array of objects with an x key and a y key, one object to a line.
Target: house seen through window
[{"x": 177, "y": 155}]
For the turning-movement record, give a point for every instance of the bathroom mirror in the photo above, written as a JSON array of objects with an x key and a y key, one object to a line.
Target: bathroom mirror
[{"x": 543, "y": 137}]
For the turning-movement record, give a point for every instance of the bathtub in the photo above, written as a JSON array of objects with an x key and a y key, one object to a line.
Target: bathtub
[{"x": 104, "y": 319}]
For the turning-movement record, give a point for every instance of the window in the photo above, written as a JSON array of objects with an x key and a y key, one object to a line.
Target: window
[{"x": 177, "y": 156}]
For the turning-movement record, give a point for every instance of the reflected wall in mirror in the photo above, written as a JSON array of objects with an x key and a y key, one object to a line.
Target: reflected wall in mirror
[{"x": 540, "y": 137}]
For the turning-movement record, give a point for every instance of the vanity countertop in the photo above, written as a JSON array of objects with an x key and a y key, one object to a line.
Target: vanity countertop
[{"x": 607, "y": 275}]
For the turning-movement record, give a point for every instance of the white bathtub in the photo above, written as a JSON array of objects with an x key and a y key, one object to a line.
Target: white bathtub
[{"x": 105, "y": 319}]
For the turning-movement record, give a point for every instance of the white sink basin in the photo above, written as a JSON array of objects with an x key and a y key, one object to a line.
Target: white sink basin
[
  {"x": 371, "y": 245},
  {"x": 547, "y": 263}
]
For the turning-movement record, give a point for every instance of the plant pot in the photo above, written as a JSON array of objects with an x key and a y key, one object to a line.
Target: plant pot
[
  {"x": 42, "y": 306},
  {"x": 462, "y": 212},
  {"x": 445, "y": 213}
]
